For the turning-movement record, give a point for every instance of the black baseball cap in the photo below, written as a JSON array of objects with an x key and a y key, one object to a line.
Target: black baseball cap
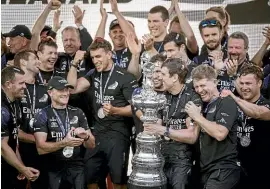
[
  {"x": 58, "y": 83},
  {"x": 19, "y": 30},
  {"x": 116, "y": 23}
]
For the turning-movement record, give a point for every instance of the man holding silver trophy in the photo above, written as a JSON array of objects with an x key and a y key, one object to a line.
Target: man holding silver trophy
[{"x": 175, "y": 126}]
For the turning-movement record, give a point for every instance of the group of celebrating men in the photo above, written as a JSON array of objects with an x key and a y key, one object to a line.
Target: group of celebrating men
[{"x": 67, "y": 120}]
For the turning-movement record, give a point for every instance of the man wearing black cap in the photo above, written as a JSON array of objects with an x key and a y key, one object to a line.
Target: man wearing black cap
[
  {"x": 13, "y": 85},
  {"x": 122, "y": 34},
  {"x": 60, "y": 130},
  {"x": 19, "y": 38}
]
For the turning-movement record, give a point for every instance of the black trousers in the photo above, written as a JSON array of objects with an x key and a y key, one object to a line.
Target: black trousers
[{"x": 226, "y": 178}]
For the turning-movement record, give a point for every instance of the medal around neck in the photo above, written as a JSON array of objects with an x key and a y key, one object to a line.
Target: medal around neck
[
  {"x": 101, "y": 114},
  {"x": 245, "y": 141},
  {"x": 68, "y": 151}
]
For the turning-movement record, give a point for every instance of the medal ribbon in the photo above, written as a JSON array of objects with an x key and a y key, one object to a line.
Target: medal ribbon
[
  {"x": 41, "y": 78},
  {"x": 14, "y": 116},
  {"x": 32, "y": 103},
  {"x": 176, "y": 107},
  {"x": 63, "y": 128},
  {"x": 102, "y": 92},
  {"x": 119, "y": 62}
]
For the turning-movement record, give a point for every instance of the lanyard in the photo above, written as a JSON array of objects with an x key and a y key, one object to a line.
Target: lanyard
[
  {"x": 207, "y": 106},
  {"x": 32, "y": 103},
  {"x": 159, "y": 48},
  {"x": 14, "y": 116},
  {"x": 41, "y": 78},
  {"x": 119, "y": 61},
  {"x": 168, "y": 120},
  {"x": 102, "y": 92},
  {"x": 63, "y": 128}
]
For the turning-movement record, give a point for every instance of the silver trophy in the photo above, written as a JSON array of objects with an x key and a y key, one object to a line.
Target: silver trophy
[{"x": 147, "y": 170}]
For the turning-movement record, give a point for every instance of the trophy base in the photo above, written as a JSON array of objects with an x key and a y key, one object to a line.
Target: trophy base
[{"x": 132, "y": 186}]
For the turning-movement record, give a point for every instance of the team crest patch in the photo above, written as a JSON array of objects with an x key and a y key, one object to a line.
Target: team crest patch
[
  {"x": 44, "y": 98},
  {"x": 74, "y": 120},
  {"x": 113, "y": 86}
]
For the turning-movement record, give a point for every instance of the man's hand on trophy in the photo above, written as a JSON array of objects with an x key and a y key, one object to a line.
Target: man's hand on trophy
[
  {"x": 108, "y": 109},
  {"x": 154, "y": 129},
  {"x": 192, "y": 110}
]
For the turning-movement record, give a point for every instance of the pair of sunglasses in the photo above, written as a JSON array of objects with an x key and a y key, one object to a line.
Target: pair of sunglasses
[{"x": 206, "y": 23}]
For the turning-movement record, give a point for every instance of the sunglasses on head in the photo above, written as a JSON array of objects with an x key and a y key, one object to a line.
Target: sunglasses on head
[{"x": 206, "y": 23}]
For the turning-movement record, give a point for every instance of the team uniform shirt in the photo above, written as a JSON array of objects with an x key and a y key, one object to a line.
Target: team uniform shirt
[
  {"x": 44, "y": 76},
  {"x": 224, "y": 81},
  {"x": 253, "y": 143},
  {"x": 220, "y": 154},
  {"x": 122, "y": 58},
  {"x": 174, "y": 116},
  {"x": 117, "y": 92},
  {"x": 48, "y": 122},
  {"x": 10, "y": 121},
  {"x": 64, "y": 62},
  {"x": 35, "y": 98}
]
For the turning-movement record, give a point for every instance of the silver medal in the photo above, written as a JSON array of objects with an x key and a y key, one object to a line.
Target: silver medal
[
  {"x": 68, "y": 151},
  {"x": 245, "y": 141},
  {"x": 100, "y": 113}
]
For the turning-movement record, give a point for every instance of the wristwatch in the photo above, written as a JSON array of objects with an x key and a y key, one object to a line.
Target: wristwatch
[{"x": 167, "y": 132}]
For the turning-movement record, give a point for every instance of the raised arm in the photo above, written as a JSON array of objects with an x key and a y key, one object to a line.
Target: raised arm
[
  {"x": 81, "y": 84},
  {"x": 85, "y": 36},
  {"x": 102, "y": 25},
  {"x": 124, "y": 24},
  {"x": 135, "y": 48},
  {"x": 255, "y": 111},
  {"x": 40, "y": 22},
  {"x": 192, "y": 44},
  {"x": 257, "y": 59}
]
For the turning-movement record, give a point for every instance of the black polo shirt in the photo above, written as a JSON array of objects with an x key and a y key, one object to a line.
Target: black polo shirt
[
  {"x": 220, "y": 154},
  {"x": 11, "y": 116},
  {"x": 175, "y": 118},
  {"x": 46, "y": 121},
  {"x": 253, "y": 142},
  {"x": 118, "y": 92}
]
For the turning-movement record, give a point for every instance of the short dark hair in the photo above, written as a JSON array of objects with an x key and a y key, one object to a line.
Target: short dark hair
[
  {"x": 177, "y": 38},
  {"x": 100, "y": 43},
  {"x": 8, "y": 74},
  {"x": 241, "y": 35},
  {"x": 23, "y": 55},
  {"x": 48, "y": 42},
  {"x": 176, "y": 66},
  {"x": 203, "y": 72},
  {"x": 160, "y": 9},
  {"x": 210, "y": 23},
  {"x": 158, "y": 58},
  {"x": 252, "y": 69}
]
